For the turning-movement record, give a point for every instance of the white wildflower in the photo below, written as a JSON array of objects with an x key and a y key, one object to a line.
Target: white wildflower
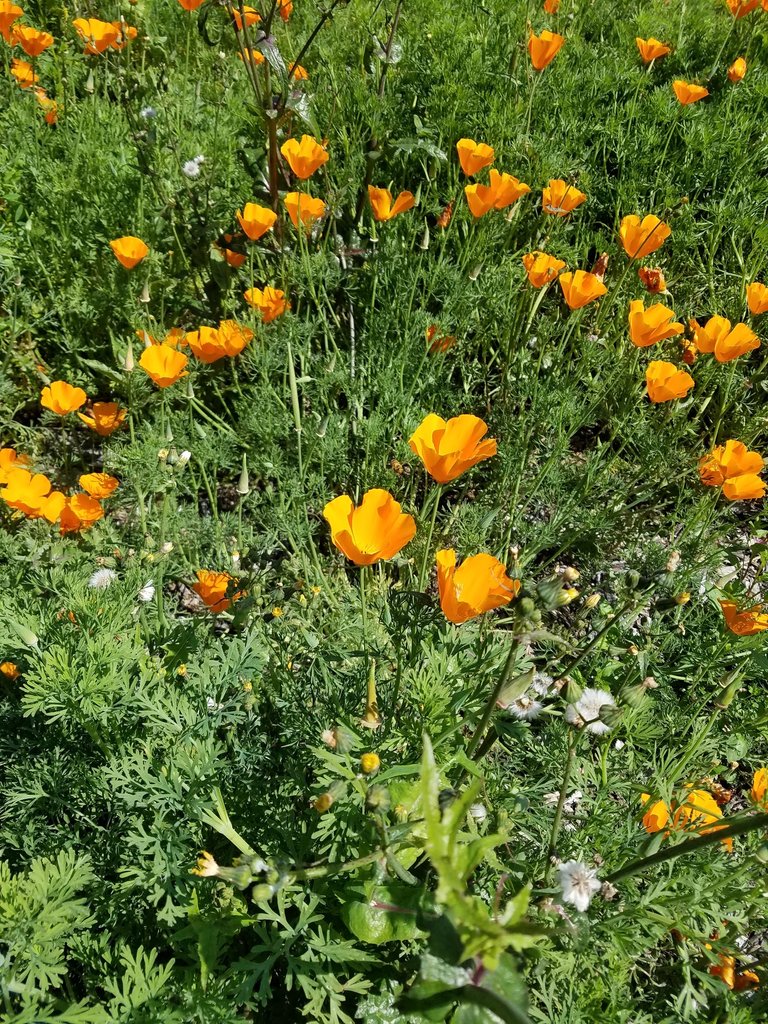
[
  {"x": 525, "y": 708},
  {"x": 102, "y": 579},
  {"x": 147, "y": 592},
  {"x": 578, "y": 883},
  {"x": 542, "y": 683},
  {"x": 191, "y": 168},
  {"x": 148, "y": 113},
  {"x": 478, "y": 811},
  {"x": 586, "y": 711},
  {"x": 183, "y": 458}
]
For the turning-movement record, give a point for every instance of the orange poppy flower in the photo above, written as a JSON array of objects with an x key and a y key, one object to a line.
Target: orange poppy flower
[
  {"x": 9, "y": 670},
  {"x": 653, "y": 279},
  {"x": 26, "y": 492},
  {"x": 656, "y": 817},
  {"x": 303, "y": 209},
  {"x": 99, "y": 485},
  {"x": 551, "y": 6},
  {"x": 544, "y": 48},
  {"x": 559, "y": 198},
  {"x": 62, "y": 398},
  {"x": 299, "y": 74},
  {"x": 215, "y": 589},
  {"x": 129, "y": 251},
  {"x": 374, "y": 531},
  {"x": 740, "y": 8},
  {"x": 737, "y": 70},
  {"x": 478, "y": 585},
  {"x": 716, "y": 336},
  {"x": 190, "y": 5},
  {"x": 10, "y": 460},
  {"x": 97, "y": 35},
  {"x": 252, "y": 56},
  {"x": 125, "y": 33},
  {"x": 649, "y": 326},
  {"x": 688, "y": 93},
  {"x": 270, "y": 302},
  {"x": 252, "y": 17},
  {"x": 642, "y": 237},
  {"x": 49, "y": 106},
  {"x": 746, "y": 622},
  {"x": 734, "y": 468},
  {"x": 32, "y": 40},
  {"x": 104, "y": 417},
  {"x": 437, "y": 341},
  {"x": 24, "y": 73},
  {"x": 206, "y": 344},
  {"x": 256, "y": 220},
  {"x": 541, "y": 268},
  {"x": 503, "y": 190},
  {"x": 665, "y": 382},
  {"x": 78, "y": 513},
  {"x": 234, "y": 337},
  {"x": 760, "y": 778},
  {"x": 473, "y": 156},
  {"x": 285, "y": 9},
  {"x": 698, "y": 809},
  {"x": 9, "y": 12},
  {"x": 165, "y": 365},
  {"x": 449, "y": 448},
  {"x": 651, "y": 49},
  {"x": 580, "y": 288},
  {"x": 231, "y": 257},
  {"x": 757, "y": 298},
  {"x": 382, "y": 205},
  {"x": 444, "y": 218},
  {"x": 304, "y": 157}
]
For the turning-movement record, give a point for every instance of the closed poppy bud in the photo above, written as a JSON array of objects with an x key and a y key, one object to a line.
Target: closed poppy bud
[
  {"x": 717, "y": 337},
  {"x": 642, "y": 237},
  {"x": 165, "y": 365},
  {"x": 581, "y": 288},
  {"x": 559, "y": 198},
  {"x": 32, "y": 41},
  {"x": 382, "y": 205},
  {"x": 215, "y": 590},
  {"x": 104, "y": 417},
  {"x": 737, "y": 70},
  {"x": 97, "y": 35},
  {"x": 740, "y": 8},
  {"x": 688, "y": 93},
  {"x": 651, "y": 49},
  {"x": 130, "y": 251},
  {"x": 544, "y": 48},
  {"x": 255, "y": 220},
  {"x": 541, "y": 268},
  {"x": 478, "y": 585},
  {"x": 473, "y": 156},
  {"x": 270, "y": 302},
  {"x": 99, "y": 485},
  {"x": 61, "y": 398},
  {"x": 449, "y": 448},
  {"x": 757, "y": 298},
  {"x": 9, "y": 12},
  {"x": 304, "y": 157},
  {"x": 649, "y": 326},
  {"x": 303, "y": 209},
  {"x": 759, "y": 783},
  {"x": 374, "y": 531},
  {"x": 746, "y": 622},
  {"x": 24, "y": 73},
  {"x": 665, "y": 382},
  {"x": 445, "y": 217},
  {"x": 285, "y": 9},
  {"x": 653, "y": 279}
]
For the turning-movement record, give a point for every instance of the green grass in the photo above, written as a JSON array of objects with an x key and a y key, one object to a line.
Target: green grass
[{"x": 134, "y": 724}]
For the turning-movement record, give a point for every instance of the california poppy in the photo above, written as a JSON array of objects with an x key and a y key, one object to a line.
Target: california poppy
[
  {"x": 233, "y": 337},
  {"x": 9, "y": 12},
  {"x": 757, "y": 298},
  {"x": 695, "y": 813},
  {"x": 206, "y": 344},
  {"x": 559, "y": 198},
  {"x": 744, "y": 622},
  {"x": 551, "y": 6},
  {"x": 507, "y": 189},
  {"x": 653, "y": 279},
  {"x": 651, "y": 49},
  {"x": 165, "y": 365},
  {"x": 473, "y": 156},
  {"x": 270, "y": 302},
  {"x": 232, "y": 257},
  {"x": 665, "y": 382},
  {"x": 103, "y": 417},
  {"x": 649, "y": 326},
  {"x": 48, "y": 105},
  {"x": 382, "y": 205},
  {"x": 285, "y": 9},
  {"x": 374, "y": 531},
  {"x": 24, "y": 73},
  {"x": 544, "y": 48},
  {"x": 98, "y": 485},
  {"x": 688, "y": 93},
  {"x": 10, "y": 460},
  {"x": 740, "y": 8},
  {"x": 717, "y": 337},
  {"x": 79, "y": 512},
  {"x": 125, "y": 33},
  {"x": 252, "y": 56},
  {"x": 215, "y": 590},
  {"x": 304, "y": 157},
  {"x": 129, "y": 250},
  {"x": 299, "y": 74},
  {"x": 61, "y": 398},
  {"x": 303, "y": 209},
  {"x": 734, "y": 468},
  {"x": 580, "y": 288},
  {"x": 32, "y": 40},
  {"x": 642, "y": 237},
  {"x": 449, "y": 448},
  {"x": 252, "y": 16},
  {"x": 255, "y": 220},
  {"x": 97, "y": 35},
  {"x": 541, "y": 268},
  {"x": 10, "y": 670},
  {"x": 760, "y": 778},
  {"x": 437, "y": 341},
  {"x": 26, "y": 492},
  {"x": 190, "y": 5},
  {"x": 478, "y": 585},
  {"x": 737, "y": 70},
  {"x": 737, "y": 981}
]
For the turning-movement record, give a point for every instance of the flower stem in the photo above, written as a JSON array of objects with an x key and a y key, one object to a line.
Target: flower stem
[
  {"x": 560, "y": 804},
  {"x": 491, "y": 703},
  {"x": 428, "y": 547}
]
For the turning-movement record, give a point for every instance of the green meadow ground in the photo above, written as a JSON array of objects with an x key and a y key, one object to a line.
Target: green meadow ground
[{"x": 134, "y": 724}]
